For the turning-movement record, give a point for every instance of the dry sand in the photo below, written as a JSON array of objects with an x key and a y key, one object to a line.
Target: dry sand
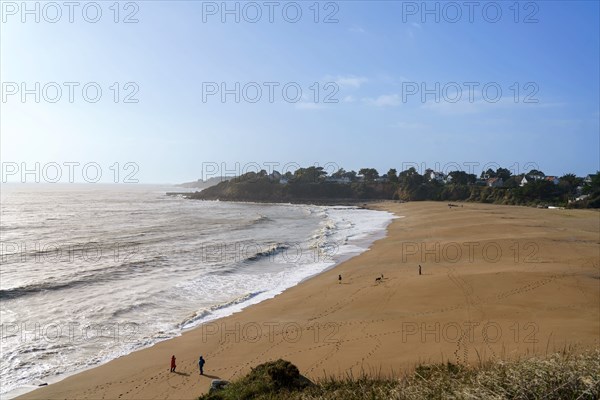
[{"x": 526, "y": 280}]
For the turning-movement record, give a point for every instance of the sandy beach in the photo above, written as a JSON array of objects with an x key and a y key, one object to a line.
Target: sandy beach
[{"x": 496, "y": 282}]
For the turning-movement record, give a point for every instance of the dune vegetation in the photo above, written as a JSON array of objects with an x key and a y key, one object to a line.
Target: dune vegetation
[{"x": 564, "y": 375}]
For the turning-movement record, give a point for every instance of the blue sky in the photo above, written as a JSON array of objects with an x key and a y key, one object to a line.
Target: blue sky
[{"x": 371, "y": 61}]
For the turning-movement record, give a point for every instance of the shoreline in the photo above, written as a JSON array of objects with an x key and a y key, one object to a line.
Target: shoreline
[
  {"x": 316, "y": 201},
  {"x": 234, "y": 307},
  {"x": 361, "y": 324}
]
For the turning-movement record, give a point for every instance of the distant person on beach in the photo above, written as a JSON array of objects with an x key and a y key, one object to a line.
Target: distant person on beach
[
  {"x": 173, "y": 366},
  {"x": 201, "y": 365},
  {"x": 419, "y": 269},
  {"x": 339, "y": 279}
]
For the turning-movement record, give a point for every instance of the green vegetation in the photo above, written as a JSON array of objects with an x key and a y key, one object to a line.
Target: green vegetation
[
  {"x": 565, "y": 375},
  {"x": 276, "y": 378},
  {"x": 313, "y": 184}
]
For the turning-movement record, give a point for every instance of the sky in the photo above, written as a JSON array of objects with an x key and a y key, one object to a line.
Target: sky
[{"x": 174, "y": 91}]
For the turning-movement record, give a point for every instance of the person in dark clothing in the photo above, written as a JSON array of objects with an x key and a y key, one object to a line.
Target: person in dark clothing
[
  {"x": 173, "y": 366},
  {"x": 201, "y": 365},
  {"x": 419, "y": 269},
  {"x": 339, "y": 279}
]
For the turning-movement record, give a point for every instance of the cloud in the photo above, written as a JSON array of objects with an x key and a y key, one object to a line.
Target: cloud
[
  {"x": 349, "y": 99},
  {"x": 350, "y": 81},
  {"x": 386, "y": 100}
]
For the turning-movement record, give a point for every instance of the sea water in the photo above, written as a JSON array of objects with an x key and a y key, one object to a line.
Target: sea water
[{"x": 92, "y": 272}]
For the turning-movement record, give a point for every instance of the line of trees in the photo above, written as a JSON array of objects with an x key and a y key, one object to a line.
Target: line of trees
[{"x": 409, "y": 185}]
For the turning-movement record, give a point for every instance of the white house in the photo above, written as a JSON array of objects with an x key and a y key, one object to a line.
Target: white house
[
  {"x": 437, "y": 176},
  {"x": 530, "y": 178}
]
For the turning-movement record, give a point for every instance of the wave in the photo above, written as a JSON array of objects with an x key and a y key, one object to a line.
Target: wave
[
  {"x": 320, "y": 238},
  {"x": 202, "y": 314},
  {"x": 83, "y": 278},
  {"x": 8, "y": 294},
  {"x": 133, "y": 307},
  {"x": 262, "y": 219},
  {"x": 272, "y": 250}
]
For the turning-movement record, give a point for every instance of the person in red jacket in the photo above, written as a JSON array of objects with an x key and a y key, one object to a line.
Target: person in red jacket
[{"x": 173, "y": 366}]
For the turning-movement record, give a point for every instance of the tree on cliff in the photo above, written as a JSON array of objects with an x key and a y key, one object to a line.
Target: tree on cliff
[
  {"x": 462, "y": 178},
  {"x": 309, "y": 175},
  {"x": 392, "y": 175},
  {"x": 370, "y": 174}
]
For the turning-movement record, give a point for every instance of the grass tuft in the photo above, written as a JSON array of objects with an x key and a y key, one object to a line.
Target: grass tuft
[{"x": 564, "y": 375}]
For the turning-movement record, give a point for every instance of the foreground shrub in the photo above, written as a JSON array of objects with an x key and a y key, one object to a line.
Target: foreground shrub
[
  {"x": 274, "y": 379},
  {"x": 563, "y": 375}
]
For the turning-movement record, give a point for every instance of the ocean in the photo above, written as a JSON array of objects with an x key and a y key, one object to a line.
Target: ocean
[{"x": 92, "y": 272}]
